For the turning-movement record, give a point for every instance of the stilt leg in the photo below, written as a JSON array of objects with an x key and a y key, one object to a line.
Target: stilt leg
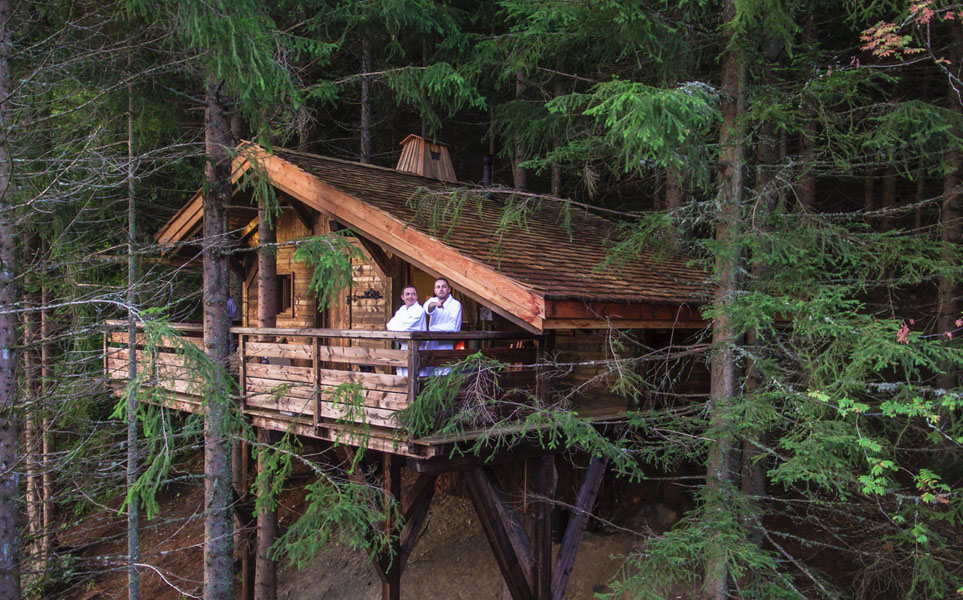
[{"x": 391, "y": 584}]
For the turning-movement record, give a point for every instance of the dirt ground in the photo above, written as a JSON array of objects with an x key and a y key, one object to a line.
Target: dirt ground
[{"x": 452, "y": 559}]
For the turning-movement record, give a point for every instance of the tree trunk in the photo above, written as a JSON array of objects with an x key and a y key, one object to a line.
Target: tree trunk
[
  {"x": 723, "y": 365},
  {"x": 556, "y": 140},
  {"x": 32, "y": 421},
  {"x": 807, "y": 183},
  {"x": 889, "y": 199},
  {"x": 365, "y": 97},
  {"x": 424, "y": 63},
  {"x": 46, "y": 423},
  {"x": 753, "y": 473},
  {"x": 951, "y": 229},
  {"x": 673, "y": 189},
  {"x": 133, "y": 547},
  {"x": 265, "y": 579},
  {"x": 9, "y": 484},
  {"x": 869, "y": 195},
  {"x": 218, "y": 523},
  {"x": 519, "y": 176}
]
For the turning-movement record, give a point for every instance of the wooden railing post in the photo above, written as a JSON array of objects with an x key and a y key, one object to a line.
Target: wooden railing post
[
  {"x": 241, "y": 371},
  {"x": 413, "y": 371}
]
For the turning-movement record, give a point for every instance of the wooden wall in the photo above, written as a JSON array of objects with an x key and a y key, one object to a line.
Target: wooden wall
[
  {"x": 367, "y": 300},
  {"x": 365, "y": 304},
  {"x": 303, "y": 312}
]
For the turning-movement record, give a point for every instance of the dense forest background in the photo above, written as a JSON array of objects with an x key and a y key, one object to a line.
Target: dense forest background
[{"x": 808, "y": 155}]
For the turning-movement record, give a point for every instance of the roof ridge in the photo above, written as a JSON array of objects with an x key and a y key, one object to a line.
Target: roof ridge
[{"x": 371, "y": 166}]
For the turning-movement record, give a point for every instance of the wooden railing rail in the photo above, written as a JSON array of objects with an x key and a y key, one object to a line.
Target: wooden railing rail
[
  {"x": 385, "y": 335},
  {"x": 297, "y": 376},
  {"x": 114, "y": 324}
]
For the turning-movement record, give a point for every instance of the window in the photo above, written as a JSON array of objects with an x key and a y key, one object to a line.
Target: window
[{"x": 285, "y": 293}]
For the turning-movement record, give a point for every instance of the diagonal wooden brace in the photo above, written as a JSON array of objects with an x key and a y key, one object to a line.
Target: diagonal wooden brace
[
  {"x": 504, "y": 531},
  {"x": 576, "y": 525}
]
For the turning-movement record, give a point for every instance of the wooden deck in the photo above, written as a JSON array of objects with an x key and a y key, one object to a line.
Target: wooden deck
[{"x": 297, "y": 382}]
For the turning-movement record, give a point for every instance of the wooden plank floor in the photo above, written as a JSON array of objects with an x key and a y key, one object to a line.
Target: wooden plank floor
[{"x": 383, "y": 439}]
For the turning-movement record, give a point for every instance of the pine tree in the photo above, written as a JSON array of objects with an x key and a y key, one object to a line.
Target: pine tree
[{"x": 9, "y": 431}]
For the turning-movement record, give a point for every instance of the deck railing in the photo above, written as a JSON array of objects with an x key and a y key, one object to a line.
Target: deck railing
[{"x": 295, "y": 374}]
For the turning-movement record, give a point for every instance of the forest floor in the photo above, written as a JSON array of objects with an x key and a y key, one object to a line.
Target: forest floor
[{"x": 452, "y": 560}]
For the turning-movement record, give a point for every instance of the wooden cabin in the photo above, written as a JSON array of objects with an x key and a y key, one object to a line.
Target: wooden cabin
[{"x": 532, "y": 292}]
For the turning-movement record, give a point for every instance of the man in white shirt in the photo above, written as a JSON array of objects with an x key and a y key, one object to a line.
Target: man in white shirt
[
  {"x": 445, "y": 314},
  {"x": 410, "y": 317}
]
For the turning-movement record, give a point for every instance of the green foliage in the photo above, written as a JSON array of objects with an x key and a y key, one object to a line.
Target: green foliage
[
  {"x": 438, "y": 84},
  {"x": 465, "y": 397},
  {"x": 645, "y": 125},
  {"x": 355, "y": 429},
  {"x": 341, "y": 510},
  {"x": 330, "y": 256},
  {"x": 441, "y": 213},
  {"x": 469, "y": 397},
  {"x": 258, "y": 182},
  {"x": 163, "y": 439},
  {"x": 678, "y": 556},
  {"x": 235, "y": 42},
  {"x": 274, "y": 465}
]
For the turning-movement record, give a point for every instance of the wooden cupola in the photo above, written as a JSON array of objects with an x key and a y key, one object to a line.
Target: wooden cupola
[{"x": 421, "y": 157}]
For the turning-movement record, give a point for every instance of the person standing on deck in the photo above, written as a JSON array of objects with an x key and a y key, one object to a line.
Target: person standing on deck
[
  {"x": 445, "y": 313},
  {"x": 410, "y": 317}
]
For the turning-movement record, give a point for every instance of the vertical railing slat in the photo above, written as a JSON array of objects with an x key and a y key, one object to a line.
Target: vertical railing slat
[
  {"x": 242, "y": 371},
  {"x": 316, "y": 359}
]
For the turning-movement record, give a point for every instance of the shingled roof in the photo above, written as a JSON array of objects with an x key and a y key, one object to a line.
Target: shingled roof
[{"x": 553, "y": 256}]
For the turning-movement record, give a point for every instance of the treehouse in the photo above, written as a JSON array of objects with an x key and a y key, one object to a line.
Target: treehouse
[{"x": 535, "y": 295}]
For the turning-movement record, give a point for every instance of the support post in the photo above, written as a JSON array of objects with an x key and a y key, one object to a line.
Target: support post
[
  {"x": 243, "y": 535},
  {"x": 265, "y": 580},
  {"x": 544, "y": 488},
  {"x": 391, "y": 584}
]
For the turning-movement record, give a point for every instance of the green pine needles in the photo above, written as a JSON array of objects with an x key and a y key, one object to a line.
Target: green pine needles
[{"x": 331, "y": 258}]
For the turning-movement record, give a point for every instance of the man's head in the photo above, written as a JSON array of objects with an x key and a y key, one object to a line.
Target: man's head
[
  {"x": 409, "y": 295},
  {"x": 442, "y": 288}
]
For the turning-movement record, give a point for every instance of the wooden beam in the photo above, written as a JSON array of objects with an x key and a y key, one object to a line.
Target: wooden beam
[
  {"x": 624, "y": 311},
  {"x": 519, "y": 304},
  {"x": 190, "y": 214},
  {"x": 305, "y": 215},
  {"x": 446, "y": 464},
  {"x": 603, "y": 324},
  {"x": 504, "y": 531},
  {"x": 544, "y": 489},
  {"x": 587, "y": 494},
  {"x": 415, "y": 511},
  {"x": 387, "y": 265}
]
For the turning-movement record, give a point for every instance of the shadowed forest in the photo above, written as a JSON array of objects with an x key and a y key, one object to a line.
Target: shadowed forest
[{"x": 708, "y": 252}]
